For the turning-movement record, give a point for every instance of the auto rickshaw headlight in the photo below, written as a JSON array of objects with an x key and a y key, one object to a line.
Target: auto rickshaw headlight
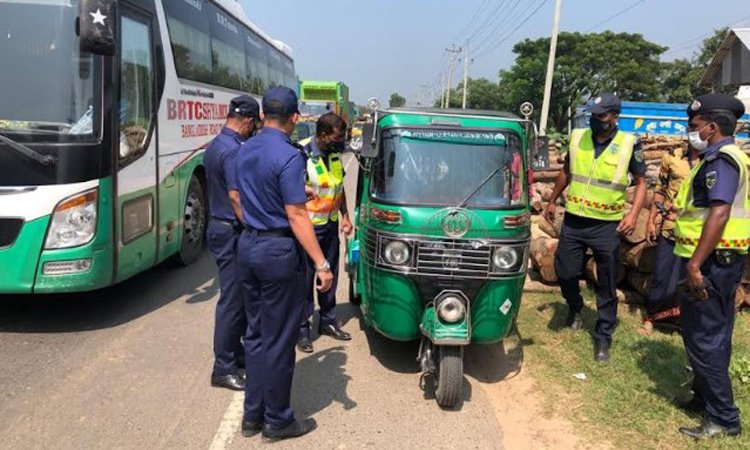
[
  {"x": 397, "y": 253},
  {"x": 451, "y": 309},
  {"x": 504, "y": 258}
]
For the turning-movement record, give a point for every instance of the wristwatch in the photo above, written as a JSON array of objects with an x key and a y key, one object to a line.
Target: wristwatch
[{"x": 326, "y": 267}]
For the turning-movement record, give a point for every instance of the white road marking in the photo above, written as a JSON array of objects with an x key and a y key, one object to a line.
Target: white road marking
[
  {"x": 229, "y": 424},
  {"x": 348, "y": 163}
]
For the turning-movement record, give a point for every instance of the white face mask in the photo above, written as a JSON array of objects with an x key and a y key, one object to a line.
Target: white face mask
[{"x": 696, "y": 142}]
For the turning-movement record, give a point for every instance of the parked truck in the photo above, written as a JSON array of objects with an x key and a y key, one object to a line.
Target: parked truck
[{"x": 320, "y": 97}]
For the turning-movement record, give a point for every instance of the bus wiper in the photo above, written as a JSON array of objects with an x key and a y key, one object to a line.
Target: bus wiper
[
  {"x": 45, "y": 160},
  {"x": 478, "y": 188}
]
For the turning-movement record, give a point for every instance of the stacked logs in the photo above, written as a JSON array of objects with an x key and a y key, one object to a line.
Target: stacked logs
[{"x": 636, "y": 254}]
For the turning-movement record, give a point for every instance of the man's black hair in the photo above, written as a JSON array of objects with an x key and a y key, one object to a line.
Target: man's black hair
[
  {"x": 329, "y": 122},
  {"x": 271, "y": 112},
  {"x": 726, "y": 121}
]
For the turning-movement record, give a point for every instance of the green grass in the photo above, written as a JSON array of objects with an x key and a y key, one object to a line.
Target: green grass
[{"x": 628, "y": 402}]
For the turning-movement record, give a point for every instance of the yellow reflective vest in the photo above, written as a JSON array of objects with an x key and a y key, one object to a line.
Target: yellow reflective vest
[
  {"x": 328, "y": 184},
  {"x": 690, "y": 219},
  {"x": 597, "y": 185}
]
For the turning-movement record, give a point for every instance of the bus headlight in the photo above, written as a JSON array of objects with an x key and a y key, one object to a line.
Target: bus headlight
[
  {"x": 73, "y": 222},
  {"x": 504, "y": 258},
  {"x": 397, "y": 253},
  {"x": 451, "y": 309}
]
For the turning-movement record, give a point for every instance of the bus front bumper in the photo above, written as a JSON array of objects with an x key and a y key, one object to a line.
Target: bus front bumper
[{"x": 26, "y": 268}]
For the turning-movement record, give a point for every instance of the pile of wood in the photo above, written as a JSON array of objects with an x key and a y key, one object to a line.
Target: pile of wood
[{"x": 636, "y": 254}]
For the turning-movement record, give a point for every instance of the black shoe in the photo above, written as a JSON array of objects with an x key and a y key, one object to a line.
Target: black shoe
[
  {"x": 574, "y": 320},
  {"x": 305, "y": 345},
  {"x": 692, "y": 406},
  {"x": 708, "y": 429},
  {"x": 233, "y": 382},
  {"x": 250, "y": 428},
  {"x": 601, "y": 352},
  {"x": 334, "y": 331},
  {"x": 296, "y": 429}
]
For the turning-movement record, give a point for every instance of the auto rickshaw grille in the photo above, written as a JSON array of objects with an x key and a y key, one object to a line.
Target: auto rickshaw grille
[{"x": 439, "y": 256}]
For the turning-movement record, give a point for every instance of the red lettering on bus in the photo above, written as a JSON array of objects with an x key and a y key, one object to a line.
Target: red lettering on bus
[
  {"x": 171, "y": 109},
  {"x": 181, "y": 110}
]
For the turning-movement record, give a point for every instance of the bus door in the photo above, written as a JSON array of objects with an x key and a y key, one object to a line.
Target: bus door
[{"x": 136, "y": 148}]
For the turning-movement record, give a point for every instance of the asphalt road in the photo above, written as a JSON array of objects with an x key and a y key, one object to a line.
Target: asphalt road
[{"x": 128, "y": 367}]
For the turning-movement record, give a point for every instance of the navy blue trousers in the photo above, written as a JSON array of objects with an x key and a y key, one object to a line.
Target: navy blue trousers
[
  {"x": 230, "y": 320},
  {"x": 577, "y": 236},
  {"x": 328, "y": 238},
  {"x": 273, "y": 273},
  {"x": 707, "y": 328},
  {"x": 662, "y": 295}
]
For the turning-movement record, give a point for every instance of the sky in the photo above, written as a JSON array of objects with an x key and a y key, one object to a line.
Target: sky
[{"x": 378, "y": 47}]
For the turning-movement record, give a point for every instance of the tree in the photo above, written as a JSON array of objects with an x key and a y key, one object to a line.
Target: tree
[
  {"x": 396, "y": 101},
  {"x": 586, "y": 65}
]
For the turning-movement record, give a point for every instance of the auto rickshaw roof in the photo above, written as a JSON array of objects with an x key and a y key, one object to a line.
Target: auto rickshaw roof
[{"x": 464, "y": 118}]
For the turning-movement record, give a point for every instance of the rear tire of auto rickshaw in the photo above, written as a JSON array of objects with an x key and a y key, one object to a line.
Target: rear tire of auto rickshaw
[
  {"x": 354, "y": 298},
  {"x": 449, "y": 381}
]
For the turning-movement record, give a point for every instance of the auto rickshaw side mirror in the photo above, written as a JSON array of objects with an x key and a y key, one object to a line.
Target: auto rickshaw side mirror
[
  {"x": 369, "y": 147},
  {"x": 95, "y": 26},
  {"x": 540, "y": 157}
]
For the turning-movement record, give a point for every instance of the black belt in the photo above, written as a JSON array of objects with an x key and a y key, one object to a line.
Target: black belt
[{"x": 279, "y": 232}]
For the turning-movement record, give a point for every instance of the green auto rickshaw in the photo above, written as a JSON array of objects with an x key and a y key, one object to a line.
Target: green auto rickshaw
[{"x": 442, "y": 234}]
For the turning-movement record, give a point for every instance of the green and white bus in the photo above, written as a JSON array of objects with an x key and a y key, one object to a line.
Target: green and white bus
[{"x": 105, "y": 109}]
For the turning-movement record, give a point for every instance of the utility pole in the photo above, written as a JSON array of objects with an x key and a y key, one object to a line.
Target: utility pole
[
  {"x": 466, "y": 71},
  {"x": 453, "y": 52},
  {"x": 442, "y": 90},
  {"x": 550, "y": 69}
]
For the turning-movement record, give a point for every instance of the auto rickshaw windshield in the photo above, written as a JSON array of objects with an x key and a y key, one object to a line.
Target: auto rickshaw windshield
[{"x": 443, "y": 167}]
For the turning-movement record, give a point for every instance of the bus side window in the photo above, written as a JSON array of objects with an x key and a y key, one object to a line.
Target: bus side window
[{"x": 136, "y": 90}]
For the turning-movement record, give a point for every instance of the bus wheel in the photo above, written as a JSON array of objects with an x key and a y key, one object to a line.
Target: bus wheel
[
  {"x": 194, "y": 224},
  {"x": 449, "y": 380}
]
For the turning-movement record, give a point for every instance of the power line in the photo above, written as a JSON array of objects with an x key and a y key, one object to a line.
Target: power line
[
  {"x": 511, "y": 17},
  {"x": 614, "y": 16},
  {"x": 533, "y": 13},
  {"x": 488, "y": 20},
  {"x": 689, "y": 43},
  {"x": 474, "y": 17}
]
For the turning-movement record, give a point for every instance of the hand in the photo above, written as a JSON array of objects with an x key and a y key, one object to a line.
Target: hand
[
  {"x": 627, "y": 225},
  {"x": 550, "y": 211},
  {"x": 652, "y": 232},
  {"x": 324, "y": 280},
  {"x": 310, "y": 193},
  {"x": 695, "y": 282},
  {"x": 346, "y": 226}
]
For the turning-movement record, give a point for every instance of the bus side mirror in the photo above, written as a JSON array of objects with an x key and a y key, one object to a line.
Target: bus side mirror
[
  {"x": 96, "y": 26},
  {"x": 540, "y": 155},
  {"x": 369, "y": 147}
]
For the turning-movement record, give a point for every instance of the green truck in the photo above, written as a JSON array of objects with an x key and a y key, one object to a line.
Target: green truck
[{"x": 320, "y": 97}]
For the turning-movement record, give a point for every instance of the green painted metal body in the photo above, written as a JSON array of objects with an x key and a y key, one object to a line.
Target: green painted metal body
[
  {"x": 391, "y": 302},
  {"x": 112, "y": 260}
]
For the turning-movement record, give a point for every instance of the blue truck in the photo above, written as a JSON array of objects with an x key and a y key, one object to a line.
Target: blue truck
[{"x": 651, "y": 118}]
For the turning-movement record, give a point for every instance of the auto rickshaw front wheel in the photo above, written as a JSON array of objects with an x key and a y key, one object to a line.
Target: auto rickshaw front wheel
[
  {"x": 449, "y": 377},
  {"x": 354, "y": 298}
]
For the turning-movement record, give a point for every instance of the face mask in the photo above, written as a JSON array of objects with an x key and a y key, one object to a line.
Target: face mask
[
  {"x": 696, "y": 142},
  {"x": 336, "y": 147},
  {"x": 598, "y": 127}
]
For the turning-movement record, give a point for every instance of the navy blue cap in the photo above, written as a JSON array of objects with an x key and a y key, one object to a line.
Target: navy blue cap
[
  {"x": 716, "y": 103},
  {"x": 606, "y": 103},
  {"x": 244, "y": 105},
  {"x": 280, "y": 100}
]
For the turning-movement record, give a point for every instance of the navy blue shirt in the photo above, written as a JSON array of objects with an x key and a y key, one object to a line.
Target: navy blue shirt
[
  {"x": 270, "y": 175},
  {"x": 718, "y": 179},
  {"x": 636, "y": 166},
  {"x": 219, "y": 160}
]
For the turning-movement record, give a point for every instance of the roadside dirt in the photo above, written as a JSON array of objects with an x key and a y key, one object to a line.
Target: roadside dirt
[{"x": 518, "y": 400}]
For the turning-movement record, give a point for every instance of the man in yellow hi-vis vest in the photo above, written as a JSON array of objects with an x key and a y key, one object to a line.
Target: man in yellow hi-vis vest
[
  {"x": 596, "y": 174},
  {"x": 328, "y": 213},
  {"x": 712, "y": 236}
]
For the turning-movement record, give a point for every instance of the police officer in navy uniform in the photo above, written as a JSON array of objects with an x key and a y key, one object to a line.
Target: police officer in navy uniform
[
  {"x": 270, "y": 177},
  {"x": 596, "y": 175},
  {"x": 328, "y": 212},
  {"x": 712, "y": 237},
  {"x": 223, "y": 232}
]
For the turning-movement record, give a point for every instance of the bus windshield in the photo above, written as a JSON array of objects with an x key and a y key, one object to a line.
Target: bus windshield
[
  {"x": 444, "y": 167},
  {"x": 46, "y": 83}
]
